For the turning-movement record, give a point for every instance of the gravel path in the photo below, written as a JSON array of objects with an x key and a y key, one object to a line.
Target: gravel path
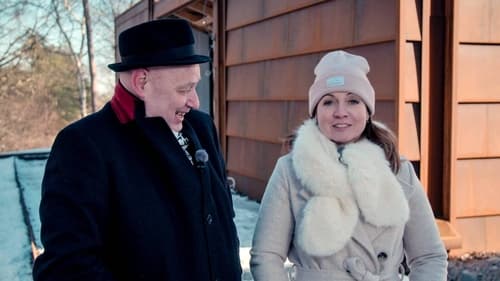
[{"x": 477, "y": 266}]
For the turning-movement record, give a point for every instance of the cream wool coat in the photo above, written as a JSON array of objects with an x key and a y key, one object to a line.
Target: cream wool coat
[{"x": 326, "y": 212}]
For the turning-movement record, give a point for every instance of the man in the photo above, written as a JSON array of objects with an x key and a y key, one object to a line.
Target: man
[{"x": 137, "y": 191}]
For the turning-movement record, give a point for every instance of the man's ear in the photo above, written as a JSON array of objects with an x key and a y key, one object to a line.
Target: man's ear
[{"x": 139, "y": 79}]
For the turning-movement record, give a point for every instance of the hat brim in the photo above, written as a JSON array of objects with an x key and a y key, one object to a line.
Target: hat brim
[{"x": 195, "y": 59}]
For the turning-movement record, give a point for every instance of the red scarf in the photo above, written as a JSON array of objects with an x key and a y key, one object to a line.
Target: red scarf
[{"x": 123, "y": 104}]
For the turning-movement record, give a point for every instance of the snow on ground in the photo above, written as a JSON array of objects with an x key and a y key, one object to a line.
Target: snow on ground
[
  {"x": 15, "y": 250},
  {"x": 246, "y": 216},
  {"x": 30, "y": 174}
]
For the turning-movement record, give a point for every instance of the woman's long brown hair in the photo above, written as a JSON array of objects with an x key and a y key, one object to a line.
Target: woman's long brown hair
[{"x": 382, "y": 136}]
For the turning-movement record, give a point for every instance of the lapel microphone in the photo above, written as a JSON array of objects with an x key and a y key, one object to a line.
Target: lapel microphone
[{"x": 201, "y": 158}]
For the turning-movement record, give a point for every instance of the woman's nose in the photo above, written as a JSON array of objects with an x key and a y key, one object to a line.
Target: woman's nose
[{"x": 340, "y": 110}]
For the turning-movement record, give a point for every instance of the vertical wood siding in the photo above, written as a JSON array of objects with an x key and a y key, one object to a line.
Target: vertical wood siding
[
  {"x": 475, "y": 122},
  {"x": 272, "y": 48},
  {"x": 434, "y": 67}
]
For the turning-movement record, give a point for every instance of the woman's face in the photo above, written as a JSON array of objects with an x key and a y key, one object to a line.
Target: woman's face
[{"x": 341, "y": 116}]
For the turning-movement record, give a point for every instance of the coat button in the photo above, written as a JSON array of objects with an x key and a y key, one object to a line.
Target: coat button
[
  {"x": 382, "y": 256},
  {"x": 209, "y": 219}
]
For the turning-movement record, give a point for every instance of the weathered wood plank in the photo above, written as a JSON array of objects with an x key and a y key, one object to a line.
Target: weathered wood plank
[
  {"x": 265, "y": 121},
  {"x": 478, "y": 21},
  {"x": 252, "y": 158},
  {"x": 330, "y": 25},
  {"x": 478, "y": 73},
  {"x": 476, "y": 190},
  {"x": 478, "y": 130}
]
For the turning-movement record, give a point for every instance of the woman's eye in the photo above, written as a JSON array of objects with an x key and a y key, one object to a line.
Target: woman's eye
[
  {"x": 327, "y": 102},
  {"x": 353, "y": 101}
]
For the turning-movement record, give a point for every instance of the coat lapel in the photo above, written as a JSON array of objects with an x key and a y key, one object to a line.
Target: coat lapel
[
  {"x": 170, "y": 153},
  {"x": 360, "y": 236},
  {"x": 195, "y": 144}
]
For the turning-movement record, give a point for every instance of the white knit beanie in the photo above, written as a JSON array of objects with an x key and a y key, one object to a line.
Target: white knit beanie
[{"x": 339, "y": 71}]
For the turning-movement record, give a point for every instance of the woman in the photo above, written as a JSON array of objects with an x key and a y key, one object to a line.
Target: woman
[{"x": 342, "y": 205}]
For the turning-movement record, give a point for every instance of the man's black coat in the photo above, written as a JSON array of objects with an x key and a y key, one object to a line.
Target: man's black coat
[{"x": 121, "y": 201}]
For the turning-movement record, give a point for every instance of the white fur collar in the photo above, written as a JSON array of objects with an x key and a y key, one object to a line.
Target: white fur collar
[{"x": 362, "y": 184}]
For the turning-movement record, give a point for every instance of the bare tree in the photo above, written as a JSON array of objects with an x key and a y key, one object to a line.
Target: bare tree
[
  {"x": 104, "y": 13},
  {"x": 15, "y": 29},
  {"x": 69, "y": 22},
  {"x": 35, "y": 97},
  {"x": 46, "y": 55},
  {"x": 77, "y": 28},
  {"x": 90, "y": 51}
]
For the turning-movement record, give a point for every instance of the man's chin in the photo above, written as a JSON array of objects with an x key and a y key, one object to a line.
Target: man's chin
[{"x": 175, "y": 127}]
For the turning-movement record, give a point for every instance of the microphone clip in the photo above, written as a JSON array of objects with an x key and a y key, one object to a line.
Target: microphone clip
[{"x": 201, "y": 158}]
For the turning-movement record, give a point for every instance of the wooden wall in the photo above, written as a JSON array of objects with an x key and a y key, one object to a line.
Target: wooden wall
[
  {"x": 434, "y": 67},
  {"x": 271, "y": 51},
  {"x": 474, "y": 122}
]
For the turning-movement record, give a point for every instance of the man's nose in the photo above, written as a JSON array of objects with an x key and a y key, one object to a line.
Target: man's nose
[{"x": 193, "y": 100}]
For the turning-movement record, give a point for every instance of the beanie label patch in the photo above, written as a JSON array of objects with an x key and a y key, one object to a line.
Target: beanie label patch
[{"x": 335, "y": 81}]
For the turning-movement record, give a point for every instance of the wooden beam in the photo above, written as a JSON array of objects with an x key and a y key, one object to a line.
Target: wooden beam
[
  {"x": 201, "y": 8},
  {"x": 450, "y": 237},
  {"x": 164, "y": 7}
]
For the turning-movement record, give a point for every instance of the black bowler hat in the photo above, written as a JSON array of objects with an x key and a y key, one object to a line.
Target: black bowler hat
[{"x": 157, "y": 43}]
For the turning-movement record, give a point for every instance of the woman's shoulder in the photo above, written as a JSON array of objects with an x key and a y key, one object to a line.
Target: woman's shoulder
[
  {"x": 285, "y": 159},
  {"x": 283, "y": 164},
  {"x": 407, "y": 177},
  {"x": 283, "y": 169}
]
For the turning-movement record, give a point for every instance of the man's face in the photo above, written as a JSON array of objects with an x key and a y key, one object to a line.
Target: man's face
[{"x": 170, "y": 92}]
